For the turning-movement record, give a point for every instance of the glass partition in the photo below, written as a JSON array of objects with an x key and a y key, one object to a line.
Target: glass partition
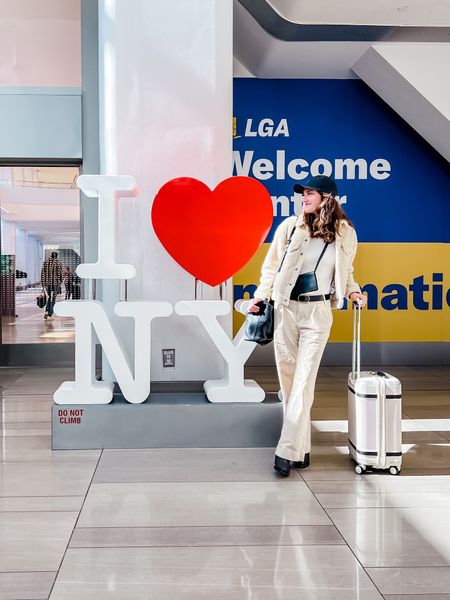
[{"x": 40, "y": 250}]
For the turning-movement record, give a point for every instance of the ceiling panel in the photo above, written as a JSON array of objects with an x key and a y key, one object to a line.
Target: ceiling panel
[{"x": 429, "y": 13}]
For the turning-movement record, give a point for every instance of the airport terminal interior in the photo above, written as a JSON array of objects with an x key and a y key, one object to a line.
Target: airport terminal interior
[
  {"x": 40, "y": 214},
  {"x": 147, "y": 92}
]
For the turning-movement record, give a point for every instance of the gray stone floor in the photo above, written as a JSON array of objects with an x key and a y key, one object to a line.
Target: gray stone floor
[{"x": 218, "y": 523}]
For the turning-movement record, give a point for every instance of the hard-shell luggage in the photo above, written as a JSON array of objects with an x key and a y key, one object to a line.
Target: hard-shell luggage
[{"x": 374, "y": 413}]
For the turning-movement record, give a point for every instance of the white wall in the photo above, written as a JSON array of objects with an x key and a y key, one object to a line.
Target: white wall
[{"x": 40, "y": 43}]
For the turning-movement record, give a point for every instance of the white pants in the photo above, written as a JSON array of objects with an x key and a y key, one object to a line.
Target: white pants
[{"x": 301, "y": 333}]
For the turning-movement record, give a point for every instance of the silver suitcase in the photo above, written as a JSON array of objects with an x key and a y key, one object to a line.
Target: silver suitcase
[{"x": 374, "y": 413}]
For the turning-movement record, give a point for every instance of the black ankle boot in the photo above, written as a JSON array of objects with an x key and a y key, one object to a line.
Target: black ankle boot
[
  {"x": 302, "y": 464},
  {"x": 282, "y": 465}
]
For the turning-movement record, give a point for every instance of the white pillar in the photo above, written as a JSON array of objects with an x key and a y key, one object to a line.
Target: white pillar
[{"x": 165, "y": 111}]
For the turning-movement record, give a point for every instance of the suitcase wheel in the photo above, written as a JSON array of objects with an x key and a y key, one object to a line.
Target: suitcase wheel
[
  {"x": 394, "y": 470},
  {"x": 360, "y": 469}
]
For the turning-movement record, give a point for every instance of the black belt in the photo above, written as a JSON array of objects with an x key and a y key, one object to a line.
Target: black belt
[{"x": 311, "y": 298}]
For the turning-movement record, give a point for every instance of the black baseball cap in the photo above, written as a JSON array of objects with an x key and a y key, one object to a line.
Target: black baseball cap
[{"x": 321, "y": 183}]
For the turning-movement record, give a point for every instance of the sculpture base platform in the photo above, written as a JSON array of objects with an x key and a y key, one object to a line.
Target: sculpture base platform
[{"x": 167, "y": 420}]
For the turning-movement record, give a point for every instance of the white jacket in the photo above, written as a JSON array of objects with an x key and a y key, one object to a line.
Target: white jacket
[{"x": 278, "y": 285}]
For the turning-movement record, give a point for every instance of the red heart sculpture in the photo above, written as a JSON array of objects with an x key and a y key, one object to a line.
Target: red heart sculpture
[{"x": 212, "y": 234}]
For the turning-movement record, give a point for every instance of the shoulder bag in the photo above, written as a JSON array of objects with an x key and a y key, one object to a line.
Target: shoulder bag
[{"x": 259, "y": 327}]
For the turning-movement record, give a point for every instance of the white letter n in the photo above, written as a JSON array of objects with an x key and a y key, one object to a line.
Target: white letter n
[{"x": 90, "y": 315}]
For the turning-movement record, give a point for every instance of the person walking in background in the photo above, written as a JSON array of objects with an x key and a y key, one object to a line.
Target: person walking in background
[
  {"x": 68, "y": 282},
  {"x": 315, "y": 275},
  {"x": 51, "y": 280}
]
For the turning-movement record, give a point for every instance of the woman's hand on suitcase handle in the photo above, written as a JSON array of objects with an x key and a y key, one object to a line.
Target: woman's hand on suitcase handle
[
  {"x": 359, "y": 299},
  {"x": 253, "y": 306}
]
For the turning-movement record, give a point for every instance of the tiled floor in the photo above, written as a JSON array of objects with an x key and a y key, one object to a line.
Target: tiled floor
[{"x": 218, "y": 523}]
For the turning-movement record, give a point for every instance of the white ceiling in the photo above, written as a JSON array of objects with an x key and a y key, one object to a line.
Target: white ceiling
[
  {"x": 10, "y": 197},
  {"x": 260, "y": 54},
  {"x": 422, "y": 13},
  {"x": 42, "y": 201},
  {"x": 410, "y": 78},
  {"x": 267, "y": 57}
]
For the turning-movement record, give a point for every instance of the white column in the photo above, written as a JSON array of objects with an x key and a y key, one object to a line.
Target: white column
[{"x": 165, "y": 112}]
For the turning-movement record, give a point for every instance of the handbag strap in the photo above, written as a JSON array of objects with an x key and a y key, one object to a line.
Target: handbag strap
[
  {"x": 287, "y": 246},
  {"x": 321, "y": 255}
]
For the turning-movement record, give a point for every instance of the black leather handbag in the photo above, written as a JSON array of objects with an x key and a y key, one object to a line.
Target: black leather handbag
[
  {"x": 41, "y": 299},
  {"x": 259, "y": 326}
]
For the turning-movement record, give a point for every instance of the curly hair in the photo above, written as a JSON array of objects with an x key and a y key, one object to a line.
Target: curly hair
[{"x": 325, "y": 223}]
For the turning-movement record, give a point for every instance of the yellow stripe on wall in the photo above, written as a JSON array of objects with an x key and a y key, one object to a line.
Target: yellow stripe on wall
[{"x": 402, "y": 308}]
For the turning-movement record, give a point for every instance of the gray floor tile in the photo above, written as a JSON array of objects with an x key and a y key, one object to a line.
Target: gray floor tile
[
  {"x": 424, "y": 383},
  {"x": 336, "y": 431},
  {"x": 19, "y": 371},
  {"x": 385, "y": 500},
  {"x": 39, "y": 449},
  {"x": 30, "y": 430},
  {"x": 414, "y": 581},
  {"x": 432, "y": 455},
  {"x": 200, "y": 504},
  {"x": 330, "y": 399},
  {"x": 436, "y": 370},
  {"x": 429, "y": 412},
  {"x": 42, "y": 373},
  {"x": 41, "y": 503},
  {"x": 28, "y": 416},
  {"x": 424, "y": 398},
  {"x": 329, "y": 413},
  {"x": 10, "y": 405},
  {"x": 5, "y": 427},
  {"x": 329, "y": 456},
  {"x": 440, "y": 426},
  {"x": 267, "y": 535},
  {"x": 34, "y": 541},
  {"x": 7, "y": 400},
  {"x": 26, "y": 586},
  {"x": 257, "y": 572},
  {"x": 375, "y": 483},
  {"x": 194, "y": 464},
  {"x": 396, "y": 537},
  {"x": 420, "y": 435},
  {"x": 8, "y": 379},
  {"x": 17, "y": 389},
  {"x": 345, "y": 473},
  {"x": 420, "y": 449},
  {"x": 62, "y": 478},
  {"x": 417, "y": 597}
]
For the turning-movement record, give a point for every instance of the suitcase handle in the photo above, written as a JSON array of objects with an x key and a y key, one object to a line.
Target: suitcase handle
[
  {"x": 356, "y": 343},
  {"x": 381, "y": 420}
]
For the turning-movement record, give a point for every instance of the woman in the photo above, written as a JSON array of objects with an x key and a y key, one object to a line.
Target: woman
[
  {"x": 68, "y": 282},
  {"x": 307, "y": 271}
]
